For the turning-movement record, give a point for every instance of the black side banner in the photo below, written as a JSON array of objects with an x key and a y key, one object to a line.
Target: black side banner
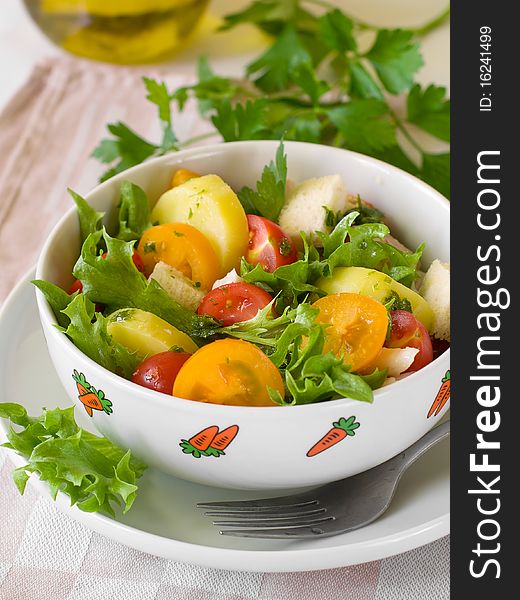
[{"x": 485, "y": 193}]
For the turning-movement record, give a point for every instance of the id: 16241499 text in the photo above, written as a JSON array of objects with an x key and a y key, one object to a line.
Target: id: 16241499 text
[{"x": 485, "y": 69}]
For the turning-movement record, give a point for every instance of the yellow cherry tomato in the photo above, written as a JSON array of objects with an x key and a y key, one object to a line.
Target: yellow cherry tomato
[
  {"x": 377, "y": 285},
  {"x": 182, "y": 247},
  {"x": 182, "y": 176},
  {"x": 146, "y": 334},
  {"x": 210, "y": 205},
  {"x": 357, "y": 327},
  {"x": 228, "y": 372}
]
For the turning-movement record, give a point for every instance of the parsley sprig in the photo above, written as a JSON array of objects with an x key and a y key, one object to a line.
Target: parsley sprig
[{"x": 316, "y": 82}]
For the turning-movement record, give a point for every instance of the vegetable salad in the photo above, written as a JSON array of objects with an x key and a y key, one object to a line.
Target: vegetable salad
[{"x": 280, "y": 295}]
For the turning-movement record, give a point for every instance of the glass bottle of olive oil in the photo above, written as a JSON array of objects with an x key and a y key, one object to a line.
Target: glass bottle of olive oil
[{"x": 118, "y": 31}]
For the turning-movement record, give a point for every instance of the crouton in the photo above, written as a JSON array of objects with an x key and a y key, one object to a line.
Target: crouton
[
  {"x": 177, "y": 286},
  {"x": 435, "y": 289},
  {"x": 303, "y": 209}
]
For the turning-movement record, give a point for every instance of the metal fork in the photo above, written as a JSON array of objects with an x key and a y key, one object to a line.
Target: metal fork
[{"x": 328, "y": 510}]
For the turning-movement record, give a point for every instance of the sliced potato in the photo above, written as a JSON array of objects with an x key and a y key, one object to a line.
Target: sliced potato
[
  {"x": 145, "y": 333},
  {"x": 379, "y": 286},
  {"x": 210, "y": 205}
]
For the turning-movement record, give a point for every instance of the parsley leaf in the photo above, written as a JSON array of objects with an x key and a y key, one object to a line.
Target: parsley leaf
[
  {"x": 336, "y": 31},
  {"x": 364, "y": 125},
  {"x": 394, "y": 302},
  {"x": 362, "y": 83},
  {"x": 436, "y": 172},
  {"x": 366, "y": 213},
  {"x": 261, "y": 12},
  {"x": 158, "y": 94},
  {"x": 211, "y": 90},
  {"x": 269, "y": 198},
  {"x": 312, "y": 84},
  {"x": 395, "y": 156},
  {"x": 275, "y": 68},
  {"x": 304, "y": 76},
  {"x": 396, "y": 58},
  {"x": 242, "y": 122},
  {"x": 430, "y": 110},
  {"x": 127, "y": 149}
]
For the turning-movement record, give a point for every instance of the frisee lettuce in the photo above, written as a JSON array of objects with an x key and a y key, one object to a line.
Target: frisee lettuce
[
  {"x": 134, "y": 212},
  {"x": 96, "y": 474},
  {"x": 115, "y": 282},
  {"x": 87, "y": 330},
  {"x": 310, "y": 376},
  {"x": 347, "y": 245},
  {"x": 89, "y": 218},
  {"x": 366, "y": 248},
  {"x": 57, "y": 298}
]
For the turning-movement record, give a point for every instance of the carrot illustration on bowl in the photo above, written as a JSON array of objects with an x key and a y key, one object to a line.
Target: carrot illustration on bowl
[
  {"x": 340, "y": 430},
  {"x": 443, "y": 395},
  {"x": 209, "y": 442},
  {"x": 91, "y": 398}
]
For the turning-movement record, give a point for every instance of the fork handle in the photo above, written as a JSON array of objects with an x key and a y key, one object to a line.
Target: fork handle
[{"x": 435, "y": 435}]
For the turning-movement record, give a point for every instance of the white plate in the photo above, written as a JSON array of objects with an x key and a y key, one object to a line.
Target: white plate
[{"x": 164, "y": 520}]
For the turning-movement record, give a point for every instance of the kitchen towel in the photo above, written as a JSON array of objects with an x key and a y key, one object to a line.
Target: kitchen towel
[{"x": 47, "y": 133}]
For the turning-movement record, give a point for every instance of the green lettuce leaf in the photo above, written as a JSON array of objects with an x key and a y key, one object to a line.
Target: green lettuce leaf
[
  {"x": 89, "y": 219},
  {"x": 134, "y": 212},
  {"x": 96, "y": 474},
  {"x": 57, "y": 298},
  {"x": 87, "y": 330},
  {"x": 366, "y": 248},
  {"x": 310, "y": 376},
  {"x": 115, "y": 282}
]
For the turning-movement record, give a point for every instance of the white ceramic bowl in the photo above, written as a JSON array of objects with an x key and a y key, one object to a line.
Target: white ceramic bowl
[{"x": 270, "y": 449}]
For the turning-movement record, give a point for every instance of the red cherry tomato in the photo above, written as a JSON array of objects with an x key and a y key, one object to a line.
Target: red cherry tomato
[
  {"x": 158, "y": 372},
  {"x": 268, "y": 245},
  {"x": 234, "y": 302},
  {"x": 138, "y": 261},
  {"x": 77, "y": 286},
  {"x": 409, "y": 331}
]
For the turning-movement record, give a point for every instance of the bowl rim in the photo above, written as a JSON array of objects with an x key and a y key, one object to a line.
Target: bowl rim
[{"x": 46, "y": 314}]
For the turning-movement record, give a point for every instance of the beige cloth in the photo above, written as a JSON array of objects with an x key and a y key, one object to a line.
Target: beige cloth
[{"x": 47, "y": 133}]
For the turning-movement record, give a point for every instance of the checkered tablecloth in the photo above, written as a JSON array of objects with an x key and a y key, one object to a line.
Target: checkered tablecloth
[{"x": 46, "y": 135}]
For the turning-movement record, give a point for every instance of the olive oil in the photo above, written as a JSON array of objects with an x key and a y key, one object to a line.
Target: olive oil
[{"x": 118, "y": 31}]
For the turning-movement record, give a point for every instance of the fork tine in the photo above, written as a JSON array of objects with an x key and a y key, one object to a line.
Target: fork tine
[
  {"x": 266, "y": 514},
  {"x": 304, "y": 531},
  {"x": 262, "y": 504},
  {"x": 275, "y": 523}
]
